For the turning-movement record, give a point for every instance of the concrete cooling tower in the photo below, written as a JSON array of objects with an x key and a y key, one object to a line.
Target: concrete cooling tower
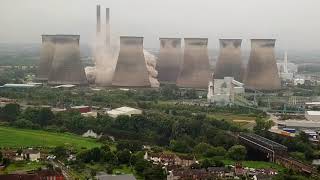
[
  {"x": 66, "y": 66},
  {"x": 169, "y": 60},
  {"x": 262, "y": 71},
  {"x": 46, "y": 57},
  {"x": 195, "y": 71},
  {"x": 131, "y": 69},
  {"x": 229, "y": 61}
]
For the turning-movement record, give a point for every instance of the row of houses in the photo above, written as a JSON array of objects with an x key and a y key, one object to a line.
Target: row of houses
[
  {"x": 220, "y": 173},
  {"x": 181, "y": 167}
]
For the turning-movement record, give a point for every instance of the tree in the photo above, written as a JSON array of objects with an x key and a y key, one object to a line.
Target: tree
[
  {"x": 262, "y": 125},
  {"x": 111, "y": 158},
  {"x": 1, "y": 156},
  {"x": 179, "y": 146},
  {"x": 130, "y": 145},
  {"x": 206, "y": 163},
  {"x": 109, "y": 168},
  {"x": 23, "y": 123},
  {"x": 154, "y": 173},
  {"x": 6, "y": 161},
  {"x": 141, "y": 165},
  {"x": 45, "y": 116},
  {"x": 10, "y": 111},
  {"x": 60, "y": 151},
  {"x": 218, "y": 163},
  {"x": 124, "y": 156},
  {"x": 215, "y": 151},
  {"x": 201, "y": 148},
  {"x": 303, "y": 137},
  {"x": 237, "y": 152}
]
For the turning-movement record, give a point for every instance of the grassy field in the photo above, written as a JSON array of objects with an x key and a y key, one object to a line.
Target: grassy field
[
  {"x": 255, "y": 164},
  {"x": 22, "y": 166},
  {"x": 15, "y": 138}
]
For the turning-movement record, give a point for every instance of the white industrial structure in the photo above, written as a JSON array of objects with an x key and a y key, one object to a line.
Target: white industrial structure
[
  {"x": 313, "y": 116},
  {"x": 287, "y": 70},
  {"x": 223, "y": 91},
  {"x": 285, "y": 75},
  {"x": 298, "y": 81},
  {"x": 123, "y": 111},
  {"x": 312, "y": 122}
]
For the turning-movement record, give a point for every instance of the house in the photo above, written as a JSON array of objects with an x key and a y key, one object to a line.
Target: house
[
  {"x": 170, "y": 159},
  {"x": 123, "y": 111},
  {"x": 92, "y": 134},
  {"x": 192, "y": 174},
  {"x": 116, "y": 177},
  {"x": 31, "y": 154}
]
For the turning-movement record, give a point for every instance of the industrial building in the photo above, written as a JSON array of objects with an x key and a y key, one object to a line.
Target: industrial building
[
  {"x": 312, "y": 122},
  {"x": 46, "y": 57},
  {"x": 29, "y": 85},
  {"x": 223, "y": 91},
  {"x": 123, "y": 111},
  {"x": 301, "y": 124},
  {"x": 283, "y": 69},
  {"x": 313, "y": 116},
  {"x": 169, "y": 60},
  {"x": 195, "y": 71},
  {"x": 262, "y": 72},
  {"x": 131, "y": 69},
  {"x": 66, "y": 67},
  {"x": 81, "y": 109},
  {"x": 229, "y": 62}
]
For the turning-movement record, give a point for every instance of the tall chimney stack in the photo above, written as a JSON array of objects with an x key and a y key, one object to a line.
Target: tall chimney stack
[
  {"x": 107, "y": 27},
  {"x": 98, "y": 20}
]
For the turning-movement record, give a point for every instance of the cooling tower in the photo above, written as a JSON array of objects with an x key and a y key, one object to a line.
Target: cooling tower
[
  {"x": 262, "y": 71},
  {"x": 131, "y": 69},
  {"x": 168, "y": 66},
  {"x": 66, "y": 65},
  {"x": 46, "y": 56},
  {"x": 229, "y": 61},
  {"x": 195, "y": 72}
]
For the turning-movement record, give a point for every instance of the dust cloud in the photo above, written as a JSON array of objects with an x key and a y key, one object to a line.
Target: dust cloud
[{"x": 105, "y": 59}]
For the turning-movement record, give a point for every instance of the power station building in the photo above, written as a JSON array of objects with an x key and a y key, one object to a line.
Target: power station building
[
  {"x": 262, "y": 71},
  {"x": 66, "y": 67},
  {"x": 131, "y": 69},
  {"x": 229, "y": 62},
  {"x": 195, "y": 71},
  {"x": 169, "y": 61},
  {"x": 46, "y": 57}
]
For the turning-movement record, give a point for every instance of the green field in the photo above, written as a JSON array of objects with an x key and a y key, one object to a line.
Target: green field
[
  {"x": 22, "y": 166},
  {"x": 256, "y": 164},
  {"x": 16, "y": 138}
]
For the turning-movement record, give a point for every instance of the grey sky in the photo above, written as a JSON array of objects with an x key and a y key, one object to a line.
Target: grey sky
[{"x": 295, "y": 23}]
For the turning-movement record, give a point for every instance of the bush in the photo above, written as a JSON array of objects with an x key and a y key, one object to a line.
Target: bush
[
  {"x": 216, "y": 151},
  {"x": 237, "y": 152},
  {"x": 201, "y": 148},
  {"x": 22, "y": 123}
]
